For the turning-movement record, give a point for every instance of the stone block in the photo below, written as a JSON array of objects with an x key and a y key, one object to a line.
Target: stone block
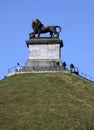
[{"x": 44, "y": 52}]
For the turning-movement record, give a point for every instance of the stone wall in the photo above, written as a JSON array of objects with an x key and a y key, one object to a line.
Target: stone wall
[{"x": 44, "y": 52}]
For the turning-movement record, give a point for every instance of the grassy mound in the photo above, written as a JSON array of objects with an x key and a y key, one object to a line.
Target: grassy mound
[{"x": 46, "y": 101}]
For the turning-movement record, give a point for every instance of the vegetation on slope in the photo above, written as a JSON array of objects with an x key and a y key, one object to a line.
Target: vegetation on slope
[{"x": 46, "y": 101}]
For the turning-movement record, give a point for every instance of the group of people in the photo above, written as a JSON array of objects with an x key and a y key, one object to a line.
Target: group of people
[{"x": 73, "y": 69}]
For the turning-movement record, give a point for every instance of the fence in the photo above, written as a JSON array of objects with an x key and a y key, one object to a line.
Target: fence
[
  {"x": 31, "y": 69},
  {"x": 81, "y": 74}
]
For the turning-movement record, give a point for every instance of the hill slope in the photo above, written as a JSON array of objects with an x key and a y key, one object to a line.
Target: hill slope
[{"x": 46, "y": 101}]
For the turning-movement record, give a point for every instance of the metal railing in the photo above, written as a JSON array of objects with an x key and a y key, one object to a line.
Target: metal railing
[
  {"x": 81, "y": 74},
  {"x": 14, "y": 69},
  {"x": 58, "y": 68},
  {"x": 87, "y": 77}
]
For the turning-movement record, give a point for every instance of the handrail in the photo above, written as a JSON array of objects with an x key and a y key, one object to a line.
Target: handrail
[
  {"x": 81, "y": 74},
  {"x": 74, "y": 70}
]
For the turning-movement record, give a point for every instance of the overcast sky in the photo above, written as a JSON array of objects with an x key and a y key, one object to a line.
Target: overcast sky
[{"x": 76, "y": 17}]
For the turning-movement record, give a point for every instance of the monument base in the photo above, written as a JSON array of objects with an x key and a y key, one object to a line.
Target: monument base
[
  {"x": 44, "y": 54},
  {"x": 39, "y": 63},
  {"x": 42, "y": 65}
]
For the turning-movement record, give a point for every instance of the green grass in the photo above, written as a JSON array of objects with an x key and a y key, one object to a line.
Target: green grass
[{"x": 46, "y": 101}]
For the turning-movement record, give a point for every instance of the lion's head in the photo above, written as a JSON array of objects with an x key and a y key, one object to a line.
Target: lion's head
[{"x": 36, "y": 24}]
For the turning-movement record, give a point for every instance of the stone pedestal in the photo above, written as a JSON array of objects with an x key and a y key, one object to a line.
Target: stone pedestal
[{"x": 44, "y": 53}]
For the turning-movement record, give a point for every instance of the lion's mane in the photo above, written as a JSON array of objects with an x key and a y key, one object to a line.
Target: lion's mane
[{"x": 36, "y": 24}]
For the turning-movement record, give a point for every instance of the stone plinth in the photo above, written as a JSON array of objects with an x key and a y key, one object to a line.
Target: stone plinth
[{"x": 44, "y": 52}]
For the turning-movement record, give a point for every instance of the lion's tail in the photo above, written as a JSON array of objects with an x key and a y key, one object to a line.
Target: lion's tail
[{"x": 59, "y": 28}]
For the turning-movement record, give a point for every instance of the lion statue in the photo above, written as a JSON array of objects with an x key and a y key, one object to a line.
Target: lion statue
[{"x": 39, "y": 28}]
